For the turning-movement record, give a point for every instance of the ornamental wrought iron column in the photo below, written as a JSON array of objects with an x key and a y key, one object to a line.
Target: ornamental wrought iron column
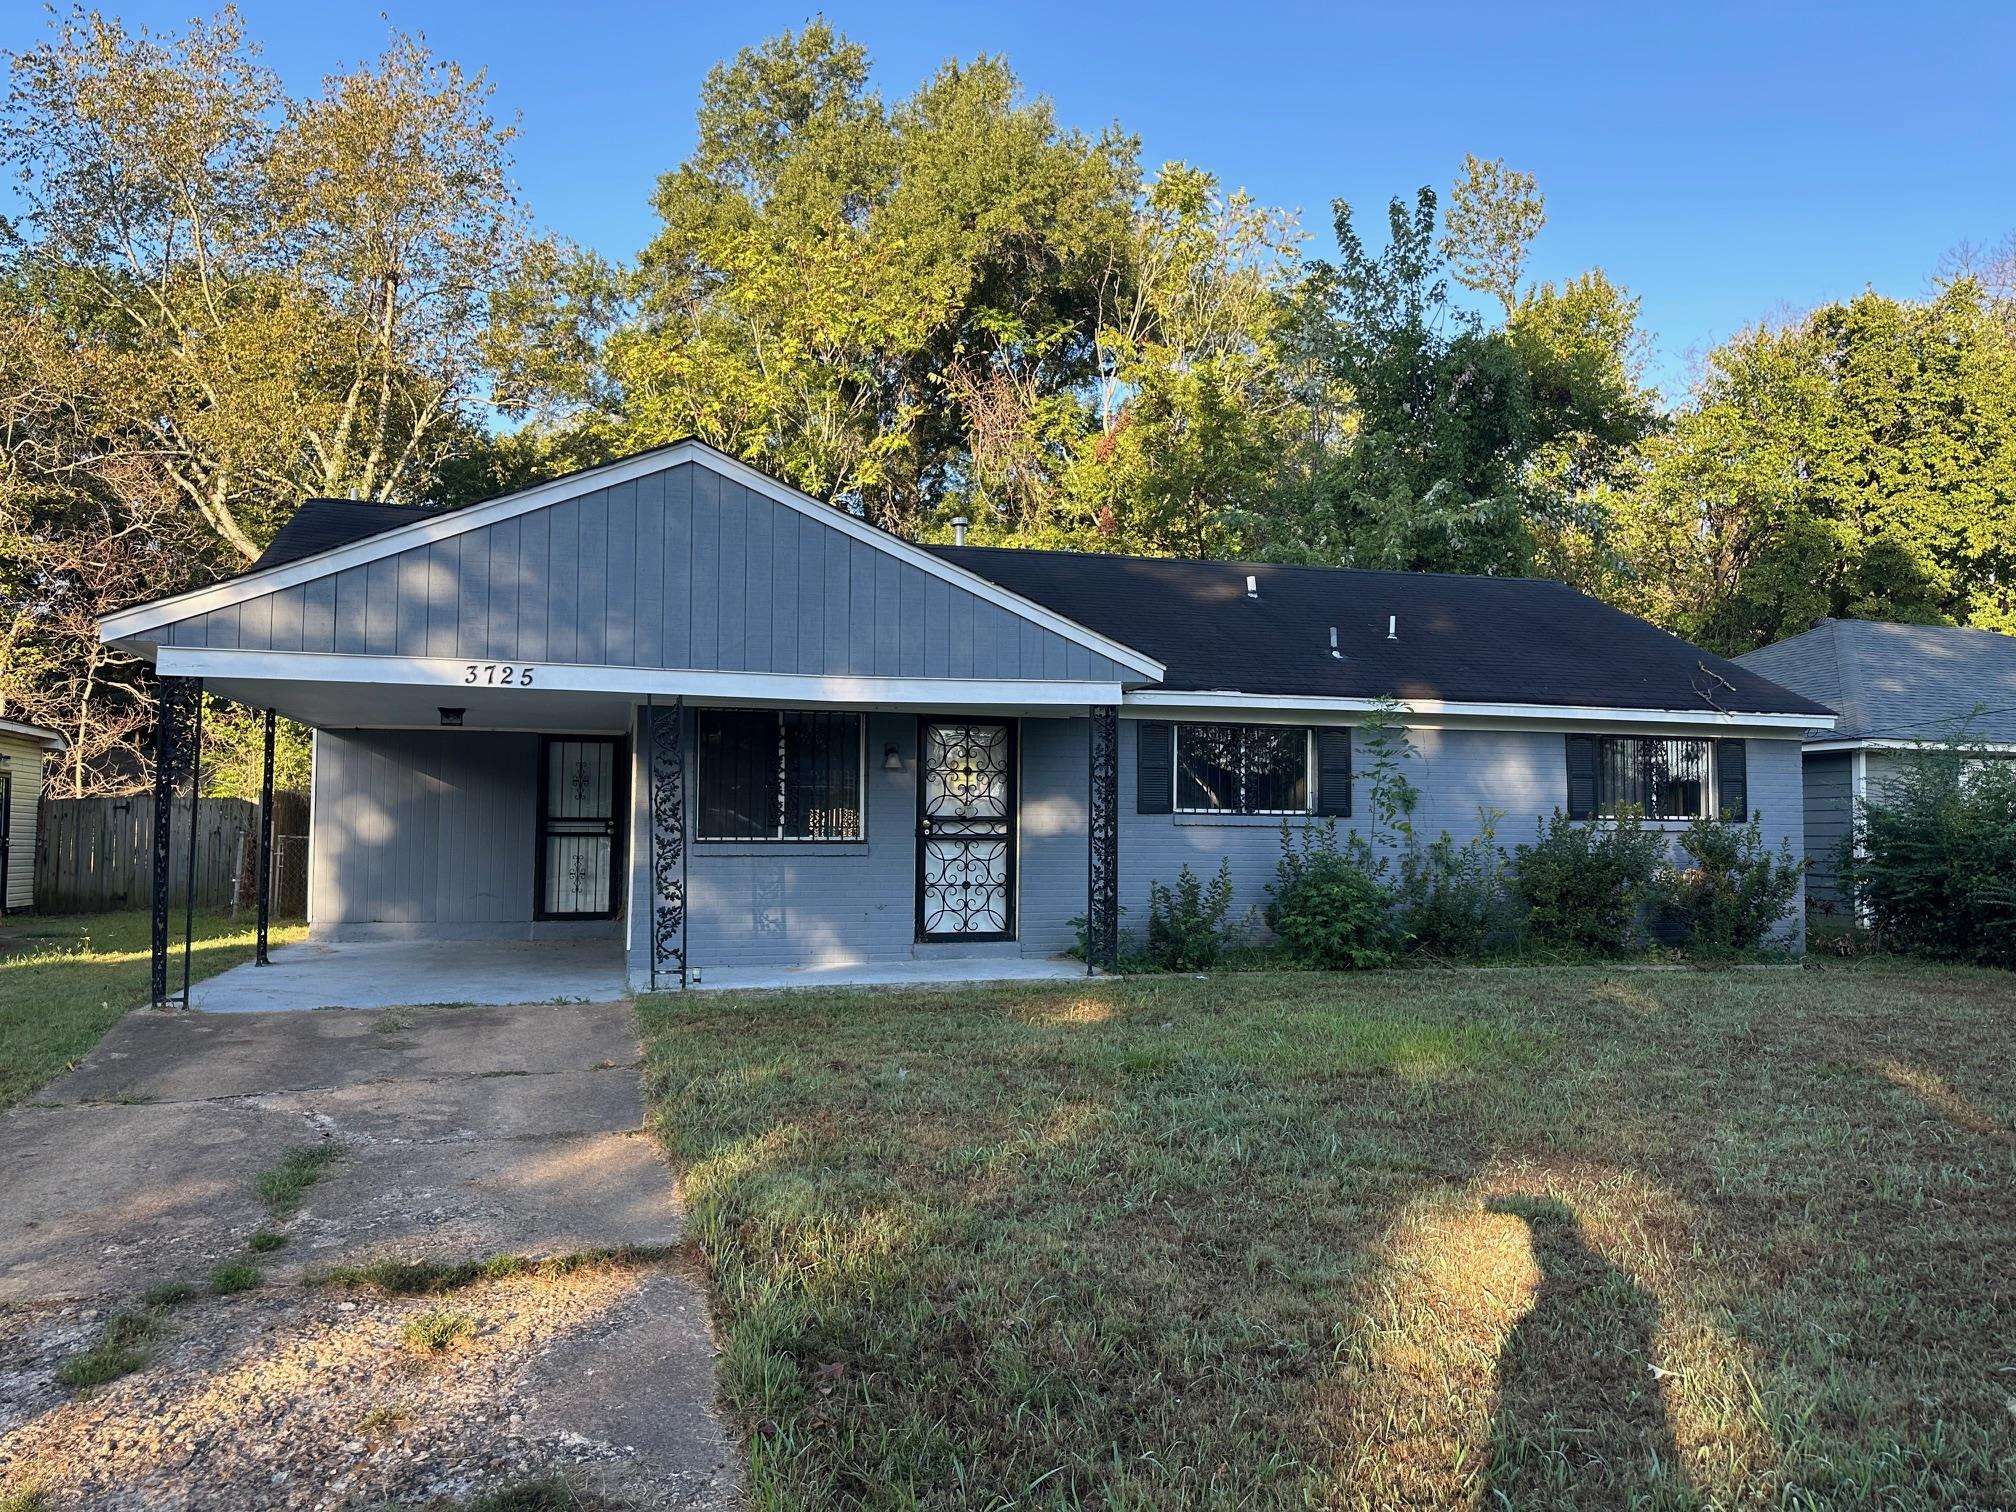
[
  {"x": 265, "y": 884},
  {"x": 668, "y": 840},
  {"x": 174, "y": 743},
  {"x": 1102, "y": 829}
]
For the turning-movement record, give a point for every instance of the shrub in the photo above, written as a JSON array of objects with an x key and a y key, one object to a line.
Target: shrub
[
  {"x": 1186, "y": 923},
  {"x": 1937, "y": 869},
  {"x": 1327, "y": 902},
  {"x": 1737, "y": 890},
  {"x": 1457, "y": 900},
  {"x": 1586, "y": 885}
]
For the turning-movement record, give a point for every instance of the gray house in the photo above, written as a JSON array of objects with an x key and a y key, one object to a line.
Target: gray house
[
  {"x": 1894, "y": 689},
  {"x": 673, "y": 703}
]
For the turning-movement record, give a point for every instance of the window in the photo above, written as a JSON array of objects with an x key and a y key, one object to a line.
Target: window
[
  {"x": 1242, "y": 769},
  {"x": 1661, "y": 779},
  {"x": 779, "y": 774}
]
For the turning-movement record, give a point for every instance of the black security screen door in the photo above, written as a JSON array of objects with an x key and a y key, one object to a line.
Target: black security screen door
[
  {"x": 578, "y": 804},
  {"x": 6, "y": 828},
  {"x": 966, "y": 830}
]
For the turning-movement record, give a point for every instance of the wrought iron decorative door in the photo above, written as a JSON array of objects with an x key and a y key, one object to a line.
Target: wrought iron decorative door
[
  {"x": 580, "y": 783},
  {"x": 966, "y": 829}
]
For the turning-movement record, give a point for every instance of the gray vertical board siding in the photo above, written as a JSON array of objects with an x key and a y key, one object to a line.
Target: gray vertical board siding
[
  {"x": 647, "y": 552},
  {"x": 681, "y": 569},
  {"x": 732, "y": 585},
  {"x": 421, "y": 828},
  {"x": 591, "y": 609},
  {"x": 704, "y": 571},
  {"x": 676, "y": 571},
  {"x": 1830, "y": 820},
  {"x": 619, "y": 634},
  {"x": 381, "y": 608},
  {"x": 1053, "y": 856},
  {"x": 353, "y": 594}
]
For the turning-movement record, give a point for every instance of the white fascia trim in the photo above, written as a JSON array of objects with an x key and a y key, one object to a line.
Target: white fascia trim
[
  {"x": 453, "y": 673},
  {"x": 1992, "y": 748},
  {"x": 54, "y": 739},
  {"x": 152, "y": 616},
  {"x": 1552, "y": 714}
]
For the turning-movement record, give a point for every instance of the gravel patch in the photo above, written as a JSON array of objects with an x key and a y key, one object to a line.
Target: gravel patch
[{"x": 312, "y": 1398}]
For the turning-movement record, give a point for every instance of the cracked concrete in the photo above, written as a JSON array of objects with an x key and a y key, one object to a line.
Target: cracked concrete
[{"x": 466, "y": 1131}]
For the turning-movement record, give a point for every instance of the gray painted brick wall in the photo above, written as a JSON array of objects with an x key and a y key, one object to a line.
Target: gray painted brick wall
[{"x": 432, "y": 832}]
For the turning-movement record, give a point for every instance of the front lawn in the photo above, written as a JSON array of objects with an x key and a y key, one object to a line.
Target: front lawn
[
  {"x": 1524, "y": 1238},
  {"x": 66, "y": 978}
]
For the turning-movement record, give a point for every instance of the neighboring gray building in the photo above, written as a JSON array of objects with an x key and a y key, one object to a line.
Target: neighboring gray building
[
  {"x": 1894, "y": 689},
  {"x": 675, "y": 703}
]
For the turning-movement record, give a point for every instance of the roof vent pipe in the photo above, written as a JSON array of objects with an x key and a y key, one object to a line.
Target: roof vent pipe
[
  {"x": 1392, "y": 627},
  {"x": 1333, "y": 644},
  {"x": 959, "y": 523},
  {"x": 1252, "y": 586}
]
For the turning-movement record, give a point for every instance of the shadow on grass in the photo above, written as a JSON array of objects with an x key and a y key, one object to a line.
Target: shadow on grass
[{"x": 1576, "y": 1378}]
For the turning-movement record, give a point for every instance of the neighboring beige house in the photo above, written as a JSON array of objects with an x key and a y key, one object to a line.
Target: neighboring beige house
[{"x": 24, "y": 748}]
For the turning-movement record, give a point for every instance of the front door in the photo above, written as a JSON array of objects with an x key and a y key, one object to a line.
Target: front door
[
  {"x": 6, "y": 833},
  {"x": 580, "y": 797},
  {"x": 966, "y": 829}
]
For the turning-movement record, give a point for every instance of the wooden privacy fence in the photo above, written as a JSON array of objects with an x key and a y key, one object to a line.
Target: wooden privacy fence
[{"x": 97, "y": 854}]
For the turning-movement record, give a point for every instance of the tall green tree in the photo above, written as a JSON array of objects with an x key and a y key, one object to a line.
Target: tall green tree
[
  {"x": 218, "y": 298},
  {"x": 1860, "y": 463},
  {"x": 842, "y": 287}
]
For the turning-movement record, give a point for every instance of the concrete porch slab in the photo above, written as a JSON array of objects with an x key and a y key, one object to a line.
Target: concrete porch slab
[
  {"x": 935, "y": 973},
  {"x": 406, "y": 973}
]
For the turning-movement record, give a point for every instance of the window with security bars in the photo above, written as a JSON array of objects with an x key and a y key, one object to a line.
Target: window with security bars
[
  {"x": 1659, "y": 778},
  {"x": 779, "y": 774},
  {"x": 1242, "y": 769}
]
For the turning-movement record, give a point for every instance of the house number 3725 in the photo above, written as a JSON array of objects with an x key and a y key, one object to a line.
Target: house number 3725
[{"x": 497, "y": 674}]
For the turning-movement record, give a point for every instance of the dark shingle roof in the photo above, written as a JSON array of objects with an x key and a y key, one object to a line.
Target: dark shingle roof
[
  {"x": 1901, "y": 682},
  {"x": 322, "y": 524},
  {"x": 1460, "y": 639}
]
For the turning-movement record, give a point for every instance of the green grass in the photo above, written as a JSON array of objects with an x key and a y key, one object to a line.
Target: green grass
[
  {"x": 169, "y": 1294},
  {"x": 66, "y": 979},
  {"x": 428, "y": 1278},
  {"x": 436, "y": 1329},
  {"x": 234, "y": 1276},
  {"x": 121, "y": 1349},
  {"x": 282, "y": 1185},
  {"x": 265, "y": 1241},
  {"x": 1509, "y": 1238}
]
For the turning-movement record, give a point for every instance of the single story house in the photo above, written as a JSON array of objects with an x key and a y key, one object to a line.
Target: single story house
[
  {"x": 1894, "y": 689},
  {"x": 25, "y": 750},
  {"x": 672, "y": 702}
]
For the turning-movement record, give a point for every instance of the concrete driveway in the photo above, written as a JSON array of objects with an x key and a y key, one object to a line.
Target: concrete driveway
[{"x": 464, "y": 1133}]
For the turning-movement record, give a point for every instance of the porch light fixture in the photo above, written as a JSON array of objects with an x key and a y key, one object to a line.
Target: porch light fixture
[
  {"x": 452, "y": 718},
  {"x": 892, "y": 759}
]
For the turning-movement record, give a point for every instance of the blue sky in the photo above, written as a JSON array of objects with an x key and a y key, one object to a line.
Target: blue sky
[{"x": 1726, "y": 162}]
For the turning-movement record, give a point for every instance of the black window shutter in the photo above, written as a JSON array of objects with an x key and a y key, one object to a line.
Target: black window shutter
[
  {"x": 1732, "y": 780},
  {"x": 1333, "y": 773},
  {"x": 1154, "y": 776},
  {"x": 1581, "y": 776}
]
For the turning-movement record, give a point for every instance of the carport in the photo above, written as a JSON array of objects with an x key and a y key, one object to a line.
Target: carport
[{"x": 419, "y": 973}]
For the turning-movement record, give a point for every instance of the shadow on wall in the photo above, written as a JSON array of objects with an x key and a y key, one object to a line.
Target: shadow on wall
[{"x": 1576, "y": 1372}]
